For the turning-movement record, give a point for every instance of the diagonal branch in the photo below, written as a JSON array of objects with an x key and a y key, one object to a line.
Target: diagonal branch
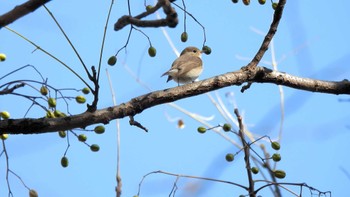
[
  {"x": 140, "y": 103},
  {"x": 20, "y": 10}
]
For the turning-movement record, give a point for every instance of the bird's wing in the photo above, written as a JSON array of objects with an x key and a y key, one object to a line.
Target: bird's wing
[{"x": 185, "y": 66}]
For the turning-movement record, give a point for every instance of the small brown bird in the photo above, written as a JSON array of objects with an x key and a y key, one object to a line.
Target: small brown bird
[{"x": 187, "y": 67}]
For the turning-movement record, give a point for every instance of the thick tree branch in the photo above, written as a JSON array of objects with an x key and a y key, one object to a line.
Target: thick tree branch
[
  {"x": 20, "y": 10},
  {"x": 138, "y": 104}
]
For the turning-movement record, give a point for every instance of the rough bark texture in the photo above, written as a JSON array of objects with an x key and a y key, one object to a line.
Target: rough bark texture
[{"x": 140, "y": 103}]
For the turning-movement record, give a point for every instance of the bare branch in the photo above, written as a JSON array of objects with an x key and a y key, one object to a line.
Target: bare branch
[
  {"x": 20, "y": 10},
  {"x": 171, "y": 19},
  {"x": 273, "y": 28},
  {"x": 140, "y": 103}
]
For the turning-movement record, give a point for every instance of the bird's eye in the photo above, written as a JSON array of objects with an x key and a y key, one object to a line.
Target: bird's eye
[{"x": 194, "y": 51}]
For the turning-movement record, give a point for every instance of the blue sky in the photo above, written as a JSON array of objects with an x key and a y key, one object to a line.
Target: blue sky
[{"x": 312, "y": 41}]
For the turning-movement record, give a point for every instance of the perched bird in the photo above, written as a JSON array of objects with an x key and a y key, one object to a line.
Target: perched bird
[{"x": 187, "y": 67}]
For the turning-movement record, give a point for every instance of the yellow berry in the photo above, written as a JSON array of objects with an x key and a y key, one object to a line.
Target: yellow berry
[
  {"x": 2, "y": 57},
  {"x": 5, "y": 114},
  {"x": 44, "y": 90},
  {"x": 80, "y": 99},
  {"x": 52, "y": 102},
  {"x": 4, "y": 136},
  {"x": 279, "y": 174}
]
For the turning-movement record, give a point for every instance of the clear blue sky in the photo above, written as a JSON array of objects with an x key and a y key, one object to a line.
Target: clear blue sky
[{"x": 312, "y": 41}]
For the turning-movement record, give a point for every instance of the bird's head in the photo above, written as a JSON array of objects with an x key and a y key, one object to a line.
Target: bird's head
[{"x": 192, "y": 51}]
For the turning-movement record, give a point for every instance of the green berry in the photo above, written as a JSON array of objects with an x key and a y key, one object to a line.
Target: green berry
[
  {"x": 274, "y": 6},
  {"x": 226, "y": 127},
  {"x": 206, "y": 50},
  {"x": 2, "y": 57},
  {"x": 99, "y": 129},
  {"x": 50, "y": 114},
  {"x": 64, "y": 162},
  {"x": 148, "y": 8},
  {"x": 62, "y": 134},
  {"x": 94, "y": 147},
  {"x": 152, "y": 51},
  {"x": 276, "y": 157},
  {"x": 255, "y": 170},
  {"x": 184, "y": 36},
  {"x": 230, "y": 157},
  {"x": 43, "y": 90},
  {"x": 112, "y": 60},
  {"x": 201, "y": 130},
  {"x": 86, "y": 90},
  {"x": 82, "y": 137},
  {"x": 275, "y": 145},
  {"x": 58, "y": 113},
  {"x": 279, "y": 174},
  {"x": 51, "y": 102},
  {"x": 80, "y": 99},
  {"x": 5, "y": 114}
]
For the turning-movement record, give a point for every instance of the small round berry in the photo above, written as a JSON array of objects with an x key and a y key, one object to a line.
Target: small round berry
[
  {"x": 206, "y": 50},
  {"x": 99, "y": 129},
  {"x": 94, "y": 147},
  {"x": 43, "y": 90},
  {"x": 279, "y": 174},
  {"x": 184, "y": 36},
  {"x": 226, "y": 127},
  {"x": 152, "y": 51},
  {"x": 86, "y": 90},
  {"x": 201, "y": 130},
  {"x": 64, "y": 162},
  {"x": 80, "y": 99},
  {"x": 5, "y": 114},
  {"x": 230, "y": 157},
  {"x": 51, "y": 102},
  {"x": 276, "y": 157},
  {"x": 255, "y": 170},
  {"x": 82, "y": 137},
  {"x": 112, "y": 60},
  {"x": 2, "y": 57},
  {"x": 275, "y": 145}
]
